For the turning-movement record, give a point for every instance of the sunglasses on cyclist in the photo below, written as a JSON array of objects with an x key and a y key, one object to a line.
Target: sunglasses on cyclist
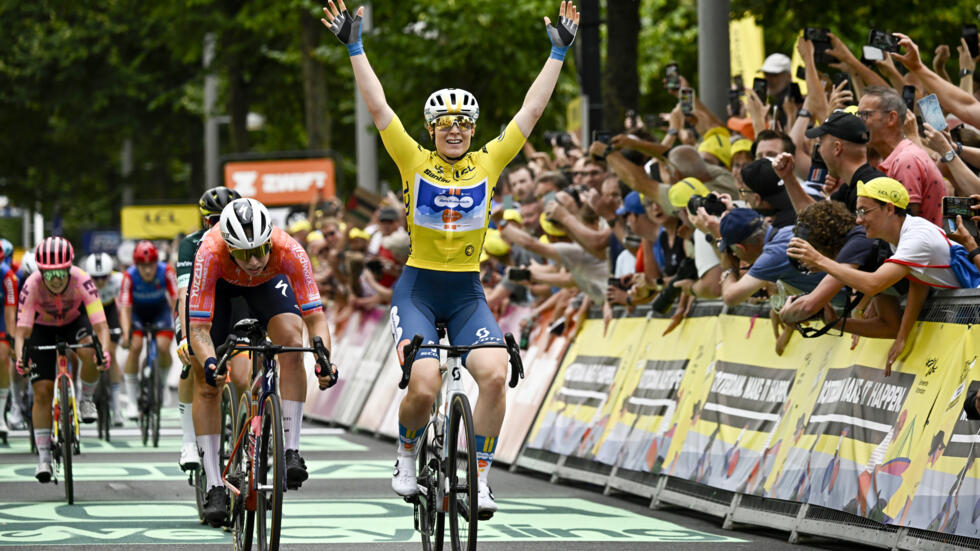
[
  {"x": 54, "y": 274},
  {"x": 244, "y": 254},
  {"x": 447, "y": 121}
]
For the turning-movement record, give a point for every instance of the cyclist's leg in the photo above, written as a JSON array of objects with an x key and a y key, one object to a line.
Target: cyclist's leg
[
  {"x": 80, "y": 332},
  {"x": 131, "y": 372},
  {"x": 189, "y": 456},
  {"x": 115, "y": 374},
  {"x": 207, "y": 398},
  {"x": 42, "y": 379},
  {"x": 473, "y": 323},
  {"x": 241, "y": 365},
  {"x": 4, "y": 379},
  {"x": 164, "y": 355}
]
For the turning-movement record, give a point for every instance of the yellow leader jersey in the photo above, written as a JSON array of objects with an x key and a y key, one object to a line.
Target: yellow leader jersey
[{"x": 448, "y": 206}]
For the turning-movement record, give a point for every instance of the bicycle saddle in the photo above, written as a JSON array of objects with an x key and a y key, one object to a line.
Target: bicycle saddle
[{"x": 248, "y": 327}]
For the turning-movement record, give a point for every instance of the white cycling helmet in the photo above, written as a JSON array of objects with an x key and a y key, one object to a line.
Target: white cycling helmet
[
  {"x": 245, "y": 224},
  {"x": 451, "y": 101},
  {"x": 27, "y": 263},
  {"x": 98, "y": 265}
]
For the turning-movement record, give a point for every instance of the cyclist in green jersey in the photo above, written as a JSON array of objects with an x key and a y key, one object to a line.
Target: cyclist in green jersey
[
  {"x": 447, "y": 195},
  {"x": 210, "y": 205}
]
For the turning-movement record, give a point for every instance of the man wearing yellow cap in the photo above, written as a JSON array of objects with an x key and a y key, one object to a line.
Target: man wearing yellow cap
[{"x": 921, "y": 252}]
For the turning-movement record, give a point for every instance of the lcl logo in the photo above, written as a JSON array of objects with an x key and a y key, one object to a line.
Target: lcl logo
[{"x": 160, "y": 217}]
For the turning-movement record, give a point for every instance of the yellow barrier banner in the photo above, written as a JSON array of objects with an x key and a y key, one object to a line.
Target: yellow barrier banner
[
  {"x": 159, "y": 221},
  {"x": 586, "y": 387},
  {"x": 640, "y": 432}
]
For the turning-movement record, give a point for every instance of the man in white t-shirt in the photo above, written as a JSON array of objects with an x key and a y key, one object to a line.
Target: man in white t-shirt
[{"x": 922, "y": 253}]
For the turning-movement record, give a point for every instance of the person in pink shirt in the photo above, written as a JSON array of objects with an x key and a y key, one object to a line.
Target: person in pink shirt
[
  {"x": 884, "y": 111},
  {"x": 49, "y": 311}
]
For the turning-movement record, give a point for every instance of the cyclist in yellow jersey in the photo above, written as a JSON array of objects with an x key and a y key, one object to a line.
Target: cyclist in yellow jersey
[{"x": 447, "y": 195}]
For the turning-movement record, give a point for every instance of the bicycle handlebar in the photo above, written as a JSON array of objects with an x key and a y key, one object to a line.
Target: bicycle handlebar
[
  {"x": 235, "y": 344},
  {"x": 513, "y": 351},
  {"x": 64, "y": 346}
]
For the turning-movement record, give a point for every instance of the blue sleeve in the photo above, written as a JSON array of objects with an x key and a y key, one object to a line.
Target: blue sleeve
[{"x": 773, "y": 261}]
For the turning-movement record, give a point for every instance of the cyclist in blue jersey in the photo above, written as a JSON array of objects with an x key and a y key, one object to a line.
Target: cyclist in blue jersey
[
  {"x": 448, "y": 195},
  {"x": 146, "y": 299}
]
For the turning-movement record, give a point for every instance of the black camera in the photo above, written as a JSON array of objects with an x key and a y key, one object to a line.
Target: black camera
[
  {"x": 559, "y": 139},
  {"x": 886, "y": 42},
  {"x": 375, "y": 266},
  {"x": 518, "y": 274},
  {"x": 803, "y": 232},
  {"x": 711, "y": 203}
]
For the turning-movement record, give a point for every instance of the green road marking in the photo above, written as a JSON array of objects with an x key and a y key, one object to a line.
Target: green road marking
[
  {"x": 83, "y": 471},
  {"x": 331, "y": 521},
  {"x": 311, "y": 443}
]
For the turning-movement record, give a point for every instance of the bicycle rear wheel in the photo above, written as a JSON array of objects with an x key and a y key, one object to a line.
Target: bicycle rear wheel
[
  {"x": 272, "y": 474},
  {"x": 463, "y": 487},
  {"x": 66, "y": 433},
  {"x": 242, "y": 520}
]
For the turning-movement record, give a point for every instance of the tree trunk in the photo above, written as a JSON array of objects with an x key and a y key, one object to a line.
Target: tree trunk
[
  {"x": 237, "y": 103},
  {"x": 317, "y": 115},
  {"x": 622, "y": 86}
]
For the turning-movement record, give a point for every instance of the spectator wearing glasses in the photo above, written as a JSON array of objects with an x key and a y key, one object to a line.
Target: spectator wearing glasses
[
  {"x": 588, "y": 172},
  {"x": 843, "y": 139},
  {"x": 884, "y": 112},
  {"x": 921, "y": 253}
]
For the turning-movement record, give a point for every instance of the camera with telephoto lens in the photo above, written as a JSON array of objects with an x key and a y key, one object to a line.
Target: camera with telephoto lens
[
  {"x": 711, "y": 203},
  {"x": 803, "y": 232}
]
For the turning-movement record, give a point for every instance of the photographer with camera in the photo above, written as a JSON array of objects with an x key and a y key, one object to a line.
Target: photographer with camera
[{"x": 747, "y": 237}]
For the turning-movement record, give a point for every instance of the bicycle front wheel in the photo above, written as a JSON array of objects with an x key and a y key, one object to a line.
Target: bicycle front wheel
[
  {"x": 463, "y": 487},
  {"x": 428, "y": 478},
  {"x": 102, "y": 405},
  {"x": 242, "y": 520},
  {"x": 272, "y": 476},
  {"x": 144, "y": 402},
  {"x": 67, "y": 433}
]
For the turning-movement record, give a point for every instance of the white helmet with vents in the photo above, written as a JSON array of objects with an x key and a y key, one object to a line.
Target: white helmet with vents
[
  {"x": 245, "y": 224},
  {"x": 451, "y": 101},
  {"x": 27, "y": 263},
  {"x": 98, "y": 265}
]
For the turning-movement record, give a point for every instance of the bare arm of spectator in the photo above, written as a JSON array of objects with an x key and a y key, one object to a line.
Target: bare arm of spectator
[
  {"x": 803, "y": 307},
  {"x": 895, "y": 79},
  {"x": 706, "y": 119},
  {"x": 966, "y": 62},
  {"x": 516, "y": 236},
  {"x": 816, "y": 100},
  {"x": 840, "y": 97},
  {"x": 756, "y": 110},
  {"x": 626, "y": 141},
  {"x": 965, "y": 181},
  {"x": 869, "y": 283},
  {"x": 541, "y": 274},
  {"x": 953, "y": 98},
  {"x": 911, "y": 128},
  {"x": 841, "y": 52},
  {"x": 880, "y": 321},
  {"x": 633, "y": 175},
  {"x": 735, "y": 289},
  {"x": 785, "y": 166},
  {"x": 939, "y": 61},
  {"x": 595, "y": 241},
  {"x": 913, "y": 306},
  {"x": 708, "y": 286},
  {"x": 383, "y": 293}
]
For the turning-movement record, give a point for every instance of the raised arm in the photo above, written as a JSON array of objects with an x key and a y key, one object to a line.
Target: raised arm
[
  {"x": 539, "y": 93},
  {"x": 347, "y": 28},
  {"x": 952, "y": 97}
]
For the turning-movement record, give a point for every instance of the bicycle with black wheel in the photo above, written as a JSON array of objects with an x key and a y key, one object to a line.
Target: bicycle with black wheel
[
  {"x": 103, "y": 399},
  {"x": 255, "y": 473},
  {"x": 65, "y": 436},
  {"x": 151, "y": 388},
  {"x": 447, "y": 470},
  {"x": 229, "y": 416}
]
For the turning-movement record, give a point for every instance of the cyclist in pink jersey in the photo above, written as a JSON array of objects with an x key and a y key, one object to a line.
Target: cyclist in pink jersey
[
  {"x": 246, "y": 257},
  {"x": 49, "y": 311}
]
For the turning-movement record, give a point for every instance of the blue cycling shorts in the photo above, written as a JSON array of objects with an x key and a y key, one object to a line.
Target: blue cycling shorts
[
  {"x": 153, "y": 315},
  {"x": 421, "y": 298}
]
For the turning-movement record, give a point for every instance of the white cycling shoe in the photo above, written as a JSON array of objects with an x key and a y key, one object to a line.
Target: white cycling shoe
[
  {"x": 403, "y": 480},
  {"x": 87, "y": 411},
  {"x": 43, "y": 472},
  {"x": 189, "y": 458},
  {"x": 132, "y": 413},
  {"x": 485, "y": 503}
]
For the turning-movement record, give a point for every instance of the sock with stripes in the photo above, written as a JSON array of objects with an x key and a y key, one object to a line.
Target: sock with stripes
[
  {"x": 42, "y": 439},
  {"x": 407, "y": 439},
  {"x": 292, "y": 422},
  {"x": 485, "y": 446},
  {"x": 209, "y": 444}
]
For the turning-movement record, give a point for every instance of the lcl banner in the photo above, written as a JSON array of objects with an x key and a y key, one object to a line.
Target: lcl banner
[
  {"x": 159, "y": 221},
  {"x": 284, "y": 182}
]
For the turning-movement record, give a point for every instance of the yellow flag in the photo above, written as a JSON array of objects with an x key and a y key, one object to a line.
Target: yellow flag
[
  {"x": 747, "y": 49},
  {"x": 797, "y": 63}
]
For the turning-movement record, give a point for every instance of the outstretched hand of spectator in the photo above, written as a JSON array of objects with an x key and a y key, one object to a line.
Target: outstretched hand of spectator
[
  {"x": 939, "y": 60},
  {"x": 962, "y": 235},
  {"x": 803, "y": 251},
  {"x": 911, "y": 58},
  {"x": 966, "y": 60},
  {"x": 784, "y": 164},
  {"x": 840, "y": 97},
  {"x": 935, "y": 140},
  {"x": 805, "y": 47},
  {"x": 838, "y": 49}
]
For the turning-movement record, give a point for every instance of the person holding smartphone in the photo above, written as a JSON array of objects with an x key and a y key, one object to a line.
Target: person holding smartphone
[{"x": 447, "y": 193}]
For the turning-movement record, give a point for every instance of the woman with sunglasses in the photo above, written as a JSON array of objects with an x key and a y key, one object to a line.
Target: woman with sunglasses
[
  {"x": 447, "y": 194},
  {"x": 245, "y": 256},
  {"x": 49, "y": 310}
]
